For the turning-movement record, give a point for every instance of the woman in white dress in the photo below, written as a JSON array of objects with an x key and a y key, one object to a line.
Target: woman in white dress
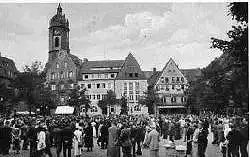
[
  {"x": 77, "y": 141},
  {"x": 93, "y": 124}
]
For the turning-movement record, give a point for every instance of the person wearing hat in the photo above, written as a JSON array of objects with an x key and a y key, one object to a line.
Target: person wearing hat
[
  {"x": 153, "y": 140},
  {"x": 113, "y": 149},
  {"x": 125, "y": 140},
  {"x": 202, "y": 139}
]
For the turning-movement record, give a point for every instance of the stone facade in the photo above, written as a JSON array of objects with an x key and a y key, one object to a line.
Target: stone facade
[
  {"x": 7, "y": 70},
  {"x": 171, "y": 86},
  {"x": 62, "y": 68}
]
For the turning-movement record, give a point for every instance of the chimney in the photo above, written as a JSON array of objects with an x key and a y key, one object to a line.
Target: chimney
[
  {"x": 85, "y": 60},
  {"x": 154, "y": 71}
]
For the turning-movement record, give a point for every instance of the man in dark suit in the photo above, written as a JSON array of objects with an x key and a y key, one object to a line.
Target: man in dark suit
[
  {"x": 67, "y": 136},
  {"x": 57, "y": 135}
]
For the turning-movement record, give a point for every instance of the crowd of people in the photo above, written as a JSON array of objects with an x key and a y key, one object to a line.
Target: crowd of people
[{"x": 123, "y": 135}]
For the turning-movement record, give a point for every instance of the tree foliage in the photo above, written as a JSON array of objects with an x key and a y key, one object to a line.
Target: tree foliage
[
  {"x": 226, "y": 77},
  {"x": 150, "y": 99},
  {"x": 109, "y": 100},
  {"x": 124, "y": 106},
  {"x": 29, "y": 84},
  {"x": 78, "y": 99}
]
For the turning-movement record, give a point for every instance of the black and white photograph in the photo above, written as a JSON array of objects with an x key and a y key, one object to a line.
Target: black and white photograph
[{"x": 124, "y": 79}]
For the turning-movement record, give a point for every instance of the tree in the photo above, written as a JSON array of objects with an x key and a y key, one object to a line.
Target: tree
[
  {"x": 109, "y": 100},
  {"x": 47, "y": 100},
  {"x": 29, "y": 83},
  {"x": 7, "y": 97},
  {"x": 124, "y": 106},
  {"x": 233, "y": 64},
  {"x": 78, "y": 98},
  {"x": 150, "y": 99}
]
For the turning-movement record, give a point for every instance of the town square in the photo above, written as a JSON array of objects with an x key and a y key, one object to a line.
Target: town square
[{"x": 158, "y": 79}]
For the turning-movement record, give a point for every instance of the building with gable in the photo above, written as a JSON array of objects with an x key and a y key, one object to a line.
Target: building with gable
[
  {"x": 124, "y": 77},
  {"x": 171, "y": 86}
]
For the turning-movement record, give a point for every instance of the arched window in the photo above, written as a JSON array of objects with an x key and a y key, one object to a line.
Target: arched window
[{"x": 57, "y": 42}]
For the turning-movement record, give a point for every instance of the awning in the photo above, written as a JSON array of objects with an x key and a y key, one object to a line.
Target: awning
[
  {"x": 64, "y": 110},
  {"x": 171, "y": 107},
  {"x": 24, "y": 112}
]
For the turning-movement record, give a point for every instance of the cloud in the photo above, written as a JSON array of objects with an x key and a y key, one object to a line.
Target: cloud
[
  {"x": 183, "y": 32},
  {"x": 154, "y": 33}
]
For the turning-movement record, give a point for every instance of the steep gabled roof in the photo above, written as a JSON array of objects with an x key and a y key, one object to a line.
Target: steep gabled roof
[
  {"x": 130, "y": 65},
  {"x": 113, "y": 65}
]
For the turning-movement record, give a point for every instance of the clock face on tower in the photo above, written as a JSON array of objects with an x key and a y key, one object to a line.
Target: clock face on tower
[
  {"x": 56, "y": 32},
  {"x": 62, "y": 54}
]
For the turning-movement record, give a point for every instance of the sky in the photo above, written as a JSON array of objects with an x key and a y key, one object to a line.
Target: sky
[{"x": 152, "y": 32}]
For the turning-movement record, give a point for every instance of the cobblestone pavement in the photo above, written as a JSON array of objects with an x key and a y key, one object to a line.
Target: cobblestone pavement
[{"x": 212, "y": 151}]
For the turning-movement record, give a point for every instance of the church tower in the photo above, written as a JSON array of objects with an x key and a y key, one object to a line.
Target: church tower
[{"x": 58, "y": 34}]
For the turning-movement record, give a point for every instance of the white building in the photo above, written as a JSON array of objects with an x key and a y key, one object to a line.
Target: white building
[{"x": 124, "y": 77}]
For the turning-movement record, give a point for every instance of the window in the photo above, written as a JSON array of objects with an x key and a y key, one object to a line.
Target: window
[
  {"x": 109, "y": 86},
  {"x": 98, "y": 96},
  {"x": 93, "y": 96},
  {"x": 136, "y": 74},
  {"x": 182, "y": 99},
  {"x": 99, "y": 76},
  {"x": 130, "y": 85},
  {"x": 182, "y": 79},
  {"x": 98, "y": 85},
  {"x": 131, "y": 97},
  {"x": 182, "y": 86},
  {"x": 61, "y": 74},
  {"x": 125, "y": 86},
  {"x": 93, "y": 76},
  {"x": 52, "y": 76},
  {"x": 57, "y": 40},
  {"x": 53, "y": 87},
  {"x": 130, "y": 74},
  {"x": 70, "y": 74},
  {"x": 173, "y": 86},
  {"x": 112, "y": 75},
  {"x": 65, "y": 64},
  {"x": 136, "y": 97},
  {"x": 57, "y": 65},
  {"x": 166, "y": 80},
  {"x": 137, "y": 87},
  {"x": 89, "y": 86},
  {"x": 162, "y": 79},
  {"x": 137, "y": 108},
  {"x": 106, "y": 76},
  {"x": 172, "y": 79},
  {"x": 173, "y": 99},
  {"x": 82, "y": 85},
  {"x": 177, "y": 79},
  {"x": 62, "y": 86},
  {"x": 103, "y": 96},
  {"x": 112, "y": 109},
  {"x": 103, "y": 85},
  {"x": 86, "y": 76}
]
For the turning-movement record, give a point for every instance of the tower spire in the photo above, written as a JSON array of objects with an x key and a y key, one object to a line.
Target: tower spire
[{"x": 59, "y": 9}]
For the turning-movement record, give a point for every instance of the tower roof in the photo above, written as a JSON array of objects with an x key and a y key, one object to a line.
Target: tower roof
[{"x": 59, "y": 19}]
